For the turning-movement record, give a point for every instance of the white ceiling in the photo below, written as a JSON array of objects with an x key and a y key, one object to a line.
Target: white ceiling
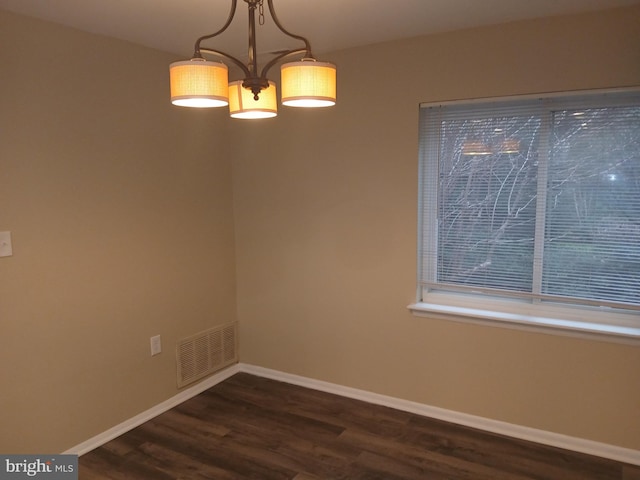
[{"x": 173, "y": 25}]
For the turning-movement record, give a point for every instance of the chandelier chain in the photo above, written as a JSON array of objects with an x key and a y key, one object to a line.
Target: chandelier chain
[{"x": 261, "y": 12}]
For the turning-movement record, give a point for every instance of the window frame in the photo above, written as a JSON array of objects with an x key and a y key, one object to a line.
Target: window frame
[{"x": 481, "y": 306}]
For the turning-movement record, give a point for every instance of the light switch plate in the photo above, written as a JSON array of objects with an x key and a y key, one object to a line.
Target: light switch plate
[
  {"x": 156, "y": 345},
  {"x": 6, "y": 250}
]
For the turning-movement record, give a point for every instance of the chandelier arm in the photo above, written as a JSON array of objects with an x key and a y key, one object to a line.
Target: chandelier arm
[
  {"x": 218, "y": 53},
  {"x": 197, "y": 49},
  {"x": 282, "y": 55},
  {"x": 307, "y": 45},
  {"x": 253, "y": 48}
]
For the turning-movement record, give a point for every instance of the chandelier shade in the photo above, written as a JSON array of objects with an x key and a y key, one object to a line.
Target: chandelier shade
[
  {"x": 199, "y": 83},
  {"x": 308, "y": 84},
  {"x": 202, "y": 83},
  {"x": 242, "y": 103}
]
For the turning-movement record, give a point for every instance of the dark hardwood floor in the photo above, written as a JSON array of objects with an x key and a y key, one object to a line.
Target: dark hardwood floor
[{"x": 250, "y": 427}]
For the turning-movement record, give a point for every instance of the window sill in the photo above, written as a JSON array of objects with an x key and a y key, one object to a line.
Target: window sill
[{"x": 531, "y": 322}]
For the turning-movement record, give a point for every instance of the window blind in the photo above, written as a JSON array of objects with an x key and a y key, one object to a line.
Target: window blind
[{"x": 536, "y": 198}]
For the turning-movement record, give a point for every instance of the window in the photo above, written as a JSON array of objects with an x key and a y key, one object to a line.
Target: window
[{"x": 530, "y": 211}]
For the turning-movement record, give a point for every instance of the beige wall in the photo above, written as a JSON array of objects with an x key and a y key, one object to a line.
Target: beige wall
[
  {"x": 325, "y": 215},
  {"x": 120, "y": 208}
]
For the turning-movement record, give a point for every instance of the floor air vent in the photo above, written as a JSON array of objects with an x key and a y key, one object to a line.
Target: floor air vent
[{"x": 206, "y": 352}]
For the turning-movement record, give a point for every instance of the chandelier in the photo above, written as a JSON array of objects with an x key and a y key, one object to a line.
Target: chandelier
[{"x": 202, "y": 83}]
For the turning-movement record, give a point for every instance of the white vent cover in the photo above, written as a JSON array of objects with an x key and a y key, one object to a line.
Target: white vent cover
[{"x": 206, "y": 353}]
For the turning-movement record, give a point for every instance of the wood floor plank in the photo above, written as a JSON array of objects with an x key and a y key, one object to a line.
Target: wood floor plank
[
  {"x": 429, "y": 461},
  {"x": 493, "y": 449},
  {"x": 630, "y": 473},
  {"x": 244, "y": 461},
  {"x": 101, "y": 464},
  {"x": 249, "y": 427}
]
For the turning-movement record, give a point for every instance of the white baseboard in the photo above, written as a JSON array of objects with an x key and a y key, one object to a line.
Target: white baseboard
[
  {"x": 589, "y": 447},
  {"x": 153, "y": 412}
]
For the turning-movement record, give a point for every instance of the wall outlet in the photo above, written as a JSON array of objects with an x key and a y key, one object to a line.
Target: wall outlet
[{"x": 156, "y": 345}]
